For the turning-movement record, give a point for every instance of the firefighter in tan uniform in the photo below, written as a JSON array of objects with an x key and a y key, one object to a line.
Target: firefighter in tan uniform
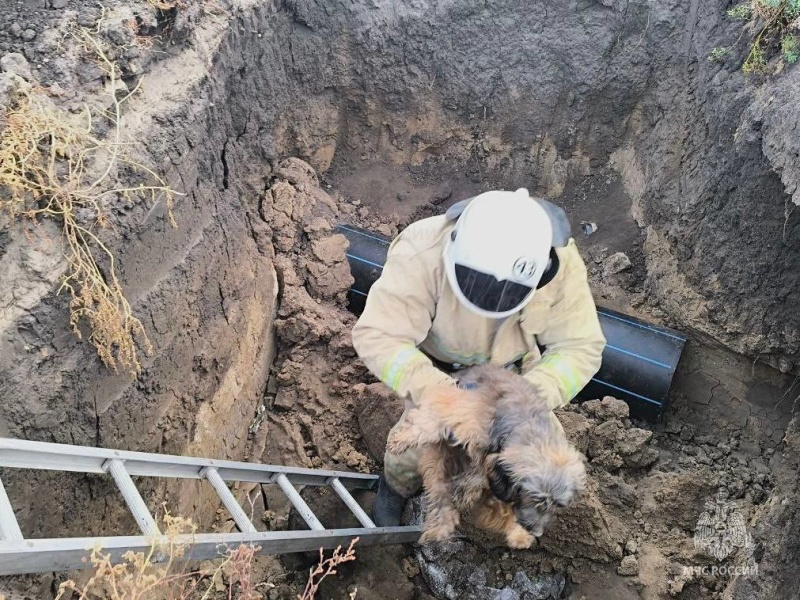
[{"x": 495, "y": 280}]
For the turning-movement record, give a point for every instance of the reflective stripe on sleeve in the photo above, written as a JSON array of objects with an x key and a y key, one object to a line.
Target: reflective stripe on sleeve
[
  {"x": 568, "y": 376},
  {"x": 398, "y": 367}
]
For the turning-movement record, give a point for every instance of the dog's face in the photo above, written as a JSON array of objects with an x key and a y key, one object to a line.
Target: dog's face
[{"x": 536, "y": 481}]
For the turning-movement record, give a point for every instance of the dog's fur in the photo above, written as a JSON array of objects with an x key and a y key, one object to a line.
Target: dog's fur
[{"x": 493, "y": 451}]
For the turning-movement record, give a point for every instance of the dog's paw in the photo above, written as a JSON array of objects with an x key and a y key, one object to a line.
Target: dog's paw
[
  {"x": 441, "y": 533},
  {"x": 440, "y": 525},
  {"x": 519, "y": 539},
  {"x": 402, "y": 439},
  {"x": 471, "y": 434}
]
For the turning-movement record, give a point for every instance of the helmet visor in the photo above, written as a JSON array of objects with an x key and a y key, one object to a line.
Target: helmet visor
[{"x": 487, "y": 293}]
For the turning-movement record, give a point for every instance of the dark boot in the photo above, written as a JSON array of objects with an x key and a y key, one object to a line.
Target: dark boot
[{"x": 389, "y": 505}]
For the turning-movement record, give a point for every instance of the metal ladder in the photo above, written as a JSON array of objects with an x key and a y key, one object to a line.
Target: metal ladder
[{"x": 19, "y": 555}]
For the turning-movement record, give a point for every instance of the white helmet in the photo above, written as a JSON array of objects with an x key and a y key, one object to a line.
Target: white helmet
[{"x": 498, "y": 251}]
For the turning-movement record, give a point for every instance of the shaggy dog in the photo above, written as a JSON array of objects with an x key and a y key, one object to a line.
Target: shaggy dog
[{"x": 495, "y": 451}]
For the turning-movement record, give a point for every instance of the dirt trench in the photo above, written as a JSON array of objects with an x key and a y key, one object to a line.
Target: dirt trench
[{"x": 611, "y": 108}]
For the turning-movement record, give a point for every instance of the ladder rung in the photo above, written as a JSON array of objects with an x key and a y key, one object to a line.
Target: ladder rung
[
  {"x": 239, "y": 516},
  {"x": 9, "y": 528},
  {"x": 132, "y": 497},
  {"x": 294, "y": 497},
  {"x": 351, "y": 503}
]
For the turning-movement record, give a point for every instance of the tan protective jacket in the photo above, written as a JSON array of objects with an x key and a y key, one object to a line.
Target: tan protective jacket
[{"x": 412, "y": 307}]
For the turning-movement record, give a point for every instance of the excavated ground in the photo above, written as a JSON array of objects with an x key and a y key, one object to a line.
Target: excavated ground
[{"x": 398, "y": 109}]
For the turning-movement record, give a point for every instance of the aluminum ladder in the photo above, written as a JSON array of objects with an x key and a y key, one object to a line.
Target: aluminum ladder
[{"x": 19, "y": 555}]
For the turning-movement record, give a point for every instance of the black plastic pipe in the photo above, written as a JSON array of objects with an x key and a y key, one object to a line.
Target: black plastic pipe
[{"x": 639, "y": 359}]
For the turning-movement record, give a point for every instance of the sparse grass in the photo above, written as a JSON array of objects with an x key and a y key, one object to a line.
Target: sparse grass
[
  {"x": 142, "y": 576},
  {"x": 61, "y": 166},
  {"x": 777, "y": 23},
  {"x": 156, "y": 575}
]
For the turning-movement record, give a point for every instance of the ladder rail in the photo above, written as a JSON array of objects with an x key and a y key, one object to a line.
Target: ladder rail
[
  {"x": 9, "y": 528},
  {"x": 62, "y": 554},
  {"x": 25, "y": 454}
]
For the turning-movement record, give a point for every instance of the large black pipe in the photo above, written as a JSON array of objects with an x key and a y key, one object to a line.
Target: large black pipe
[{"x": 639, "y": 360}]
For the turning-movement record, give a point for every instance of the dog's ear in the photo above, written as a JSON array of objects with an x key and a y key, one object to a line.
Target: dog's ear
[
  {"x": 503, "y": 487},
  {"x": 498, "y": 433},
  {"x": 570, "y": 462}
]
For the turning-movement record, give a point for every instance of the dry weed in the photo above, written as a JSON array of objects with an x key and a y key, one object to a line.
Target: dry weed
[
  {"x": 155, "y": 575},
  {"x": 57, "y": 165},
  {"x": 325, "y": 567}
]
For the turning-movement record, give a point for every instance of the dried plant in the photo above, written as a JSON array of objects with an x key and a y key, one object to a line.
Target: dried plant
[
  {"x": 155, "y": 575},
  {"x": 325, "y": 567},
  {"x": 57, "y": 165}
]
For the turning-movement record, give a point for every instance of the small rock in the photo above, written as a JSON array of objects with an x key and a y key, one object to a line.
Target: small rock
[
  {"x": 785, "y": 364},
  {"x": 411, "y": 568},
  {"x": 119, "y": 34},
  {"x": 736, "y": 489},
  {"x": 7, "y": 91},
  {"x": 631, "y": 547},
  {"x": 29, "y": 35},
  {"x": 628, "y": 567},
  {"x": 58, "y": 3},
  {"x": 687, "y": 433},
  {"x": 577, "y": 428},
  {"x": 702, "y": 457},
  {"x": 17, "y": 64},
  {"x": 15, "y": 30},
  {"x": 317, "y": 227},
  {"x": 284, "y": 400},
  {"x": 607, "y": 408},
  {"x": 598, "y": 253},
  {"x": 330, "y": 250},
  {"x": 88, "y": 16},
  {"x": 616, "y": 263}
]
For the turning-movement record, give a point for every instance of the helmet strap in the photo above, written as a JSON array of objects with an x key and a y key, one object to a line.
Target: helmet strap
[{"x": 551, "y": 271}]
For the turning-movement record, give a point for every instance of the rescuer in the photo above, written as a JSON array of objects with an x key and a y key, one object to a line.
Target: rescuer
[{"x": 497, "y": 279}]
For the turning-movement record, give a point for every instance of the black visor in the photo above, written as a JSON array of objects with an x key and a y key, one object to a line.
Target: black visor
[{"x": 489, "y": 294}]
